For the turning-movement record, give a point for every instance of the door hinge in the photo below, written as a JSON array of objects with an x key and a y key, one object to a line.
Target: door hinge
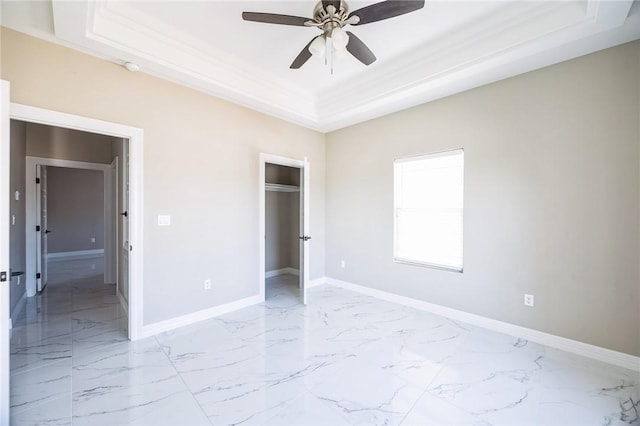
[
  {"x": 3, "y": 276},
  {"x": 37, "y": 180},
  {"x": 37, "y": 228},
  {"x": 38, "y": 276}
]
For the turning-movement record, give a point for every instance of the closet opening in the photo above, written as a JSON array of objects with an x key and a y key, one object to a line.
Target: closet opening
[
  {"x": 282, "y": 231},
  {"x": 284, "y": 225}
]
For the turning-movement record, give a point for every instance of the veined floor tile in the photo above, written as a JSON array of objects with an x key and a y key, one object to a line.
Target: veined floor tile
[
  {"x": 39, "y": 386},
  {"x": 40, "y": 344},
  {"x": 166, "y": 403},
  {"x": 126, "y": 361},
  {"x": 344, "y": 358},
  {"x": 367, "y": 396},
  {"x": 433, "y": 411},
  {"x": 307, "y": 410},
  {"x": 56, "y": 412}
]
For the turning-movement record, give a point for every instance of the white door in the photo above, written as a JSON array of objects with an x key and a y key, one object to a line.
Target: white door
[
  {"x": 4, "y": 252},
  {"x": 44, "y": 227},
  {"x": 123, "y": 237},
  {"x": 42, "y": 248},
  {"x": 111, "y": 247},
  {"x": 304, "y": 230},
  {"x": 111, "y": 229}
]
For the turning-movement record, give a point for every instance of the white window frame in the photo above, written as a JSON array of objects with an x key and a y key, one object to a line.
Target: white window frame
[{"x": 396, "y": 206}]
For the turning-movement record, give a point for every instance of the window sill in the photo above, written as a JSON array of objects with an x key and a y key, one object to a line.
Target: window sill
[{"x": 428, "y": 265}]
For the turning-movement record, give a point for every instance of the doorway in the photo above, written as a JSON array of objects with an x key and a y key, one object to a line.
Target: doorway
[
  {"x": 284, "y": 226},
  {"x": 70, "y": 204},
  {"x": 133, "y": 149}
]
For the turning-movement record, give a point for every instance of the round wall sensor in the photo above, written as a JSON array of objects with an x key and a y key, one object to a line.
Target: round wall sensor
[{"x": 131, "y": 66}]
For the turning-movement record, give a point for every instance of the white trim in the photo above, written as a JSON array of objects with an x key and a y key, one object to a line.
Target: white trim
[
  {"x": 77, "y": 254},
  {"x": 135, "y": 145},
  {"x": 317, "y": 282},
  {"x": 283, "y": 271},
  {"x": 584, "y": 349},
  {"x": 17, "y": 310},
  {"x": 5, "y": 190},
  {"x": 194, "y": 317}
]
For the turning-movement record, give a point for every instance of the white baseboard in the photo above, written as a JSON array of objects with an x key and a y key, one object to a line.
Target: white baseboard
[
  {"x": 584, "y": 349},
  {"x": 17, "y": 310},
  {"x": 78, "y": 254},
  {"x": 205, "y": 314},
  {"x": 316, "y": 282},
  {"x": 283, "y": 271}
]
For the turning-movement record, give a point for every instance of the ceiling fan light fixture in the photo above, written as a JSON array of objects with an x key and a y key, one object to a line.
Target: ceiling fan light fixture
[
  {"x": 318, "y": 46},
  {"x": 340, "y": 39}
]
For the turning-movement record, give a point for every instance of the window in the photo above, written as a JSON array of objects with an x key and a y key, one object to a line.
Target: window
[{"x": 428, "y": 209}]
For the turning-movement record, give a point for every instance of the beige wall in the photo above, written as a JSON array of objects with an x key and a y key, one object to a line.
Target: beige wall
[
  {"x": 66, "y": 144},
  {"x": 552, "y": 196},
  {"x": 17, "y": 209},
  {"x": 201, "y": 162},
  {"x": 75, "y": 209}
]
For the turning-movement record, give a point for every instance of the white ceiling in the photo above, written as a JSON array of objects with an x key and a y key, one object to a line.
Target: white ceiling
[{"x": 444, "y": 48}]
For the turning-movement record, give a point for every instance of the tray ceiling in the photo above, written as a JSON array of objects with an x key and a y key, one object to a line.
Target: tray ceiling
[{"x": 442, "y": 49}]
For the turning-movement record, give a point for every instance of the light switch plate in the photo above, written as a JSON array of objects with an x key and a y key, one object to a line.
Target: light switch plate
[{"x": 164, "y": 220}]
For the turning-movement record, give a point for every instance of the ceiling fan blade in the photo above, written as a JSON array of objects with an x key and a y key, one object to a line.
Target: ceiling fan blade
[
  {"x": 385, "y": 10},
  {"x": 274, "y": 18},
  {"x": 302, "y": 57},
  {"x": 357, "y": 48}
]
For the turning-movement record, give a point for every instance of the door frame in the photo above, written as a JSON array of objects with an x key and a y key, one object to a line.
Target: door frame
[
  {"x": 5, "y": 319},
  {"x": 135, "y": 146},
  {"x": 33, "y": 211},
  {"x": 305, "y": 193}
]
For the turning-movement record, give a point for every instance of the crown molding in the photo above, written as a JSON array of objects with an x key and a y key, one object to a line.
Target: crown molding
[
  {"x": 168, "y": 53},
  {"x": 516, "y": 38},
  {"x": 520, "y": 38}
]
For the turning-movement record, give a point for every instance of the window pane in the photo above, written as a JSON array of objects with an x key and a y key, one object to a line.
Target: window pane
[{"x": 429, "y": 200}]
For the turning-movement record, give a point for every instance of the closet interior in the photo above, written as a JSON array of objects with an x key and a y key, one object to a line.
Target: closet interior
[{"x": 282, "y": 227}]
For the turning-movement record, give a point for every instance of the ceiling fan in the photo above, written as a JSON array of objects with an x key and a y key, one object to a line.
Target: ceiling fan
[{"x": 330, "y": 17}]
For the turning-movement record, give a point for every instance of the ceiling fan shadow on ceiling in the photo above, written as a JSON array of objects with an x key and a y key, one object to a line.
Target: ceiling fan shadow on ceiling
[{"x": 330, "y": 17}]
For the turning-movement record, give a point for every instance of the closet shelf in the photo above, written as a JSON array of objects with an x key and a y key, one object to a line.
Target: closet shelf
[{"x": 281, "y": 188}]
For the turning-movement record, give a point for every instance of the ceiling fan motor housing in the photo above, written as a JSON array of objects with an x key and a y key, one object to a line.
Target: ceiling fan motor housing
[{"x": 333, "y": 15}]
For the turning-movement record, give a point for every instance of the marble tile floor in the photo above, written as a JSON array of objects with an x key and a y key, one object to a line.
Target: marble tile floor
[{"x": 344, "y": 359}]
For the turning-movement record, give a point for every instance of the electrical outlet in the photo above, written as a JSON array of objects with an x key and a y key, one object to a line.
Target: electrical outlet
[
  {"x": 207, "y": 284},
  {"x": 528, "y": 300},
  {"x": 343, "y": 264},
  {"x": 93, "y": 239}
]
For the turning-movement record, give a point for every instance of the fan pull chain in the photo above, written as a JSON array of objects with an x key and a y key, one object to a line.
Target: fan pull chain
[{"x": 329, "y": 50}]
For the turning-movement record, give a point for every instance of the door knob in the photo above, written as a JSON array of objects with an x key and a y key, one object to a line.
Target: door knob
[
  {"x": 305, "y": 238},
  {"x": 47, "y": 232},
  {"x": 124, "y": 214}
]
